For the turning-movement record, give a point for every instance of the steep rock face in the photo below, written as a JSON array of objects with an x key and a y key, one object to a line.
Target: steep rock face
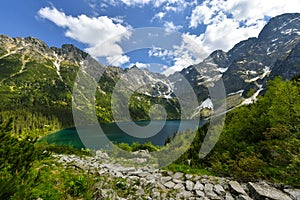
[
  {"x": 289, "y": 67},
  {"x": 249, "y": 63}
]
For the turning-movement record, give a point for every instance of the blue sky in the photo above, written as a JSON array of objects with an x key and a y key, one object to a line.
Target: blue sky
[{"x": 196, "y": 28}]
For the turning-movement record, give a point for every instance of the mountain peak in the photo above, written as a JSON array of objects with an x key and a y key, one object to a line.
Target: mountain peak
[
  {"x": 70, "y": 51},
  {"x": 281, "y": 25}
]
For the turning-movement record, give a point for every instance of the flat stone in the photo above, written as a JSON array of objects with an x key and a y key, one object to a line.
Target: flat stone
[
  {"x": 196, "y": 178},
  {"x": 129, "y": 169},
  {"x": 213, "y": 195},
  {"x": 189, "y": 185},
  {"x": 169, "y": 184},
  {"x": 165, "y": 179},
  {"x": 184, "y": 194},
  {"x": 177, "y": 181},
  {"x": 178, "y": 175},
  {"x": 178, "y": 186},
  {"x": 219, "y": 190},
  {"x": 199, "y": 186},
  {"x": 199, "y": 193},
  {"x": 236, "y": 188},
  {"x": 262, "y": 192},
  {"x": 295, "y": 193}
]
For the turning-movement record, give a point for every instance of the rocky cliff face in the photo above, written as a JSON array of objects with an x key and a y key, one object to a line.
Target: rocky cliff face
[{"x": 250, "y": 63}]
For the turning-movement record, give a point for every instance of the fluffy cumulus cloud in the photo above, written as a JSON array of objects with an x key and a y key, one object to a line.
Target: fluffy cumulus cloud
[
  {"x": 231, "y": 21},
  {"x": 170, "y": 26},
  {"x": 188, "y": 52},
  {"x": 101, "y": 34}
]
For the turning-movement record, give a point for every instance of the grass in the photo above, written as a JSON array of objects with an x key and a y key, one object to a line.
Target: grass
[{"x": 188, "y": 170}]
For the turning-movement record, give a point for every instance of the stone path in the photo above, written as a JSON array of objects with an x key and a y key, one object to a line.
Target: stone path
[{"x": 149, "y": 183}]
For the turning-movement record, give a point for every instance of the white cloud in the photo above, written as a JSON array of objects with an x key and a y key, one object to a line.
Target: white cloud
[
  {"x": 93, "y": 31},
  {"x": 170, "y": 27},
  {"x": 159, "y": 16},
  {"x": 222, "y": 31},
  {"x": 141, "y": 65},
  {"x": 117, "y": 60},
  {"x": 188, "y": 53}
]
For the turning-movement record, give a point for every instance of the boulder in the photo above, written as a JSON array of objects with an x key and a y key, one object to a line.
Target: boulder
[
  {"x": 178, "y": 186},
  {"x": 198, "y": 186},
  {"x": 295, "y": 193},
  {"x": 236, "y": 188},
  {"x": 262, "y": 192},
  {"x": 199, "y": 193},
  {"x": 189, "y": 185},
  {"x": 178, "y": 175},
  {"x": 219, "y": 190}
]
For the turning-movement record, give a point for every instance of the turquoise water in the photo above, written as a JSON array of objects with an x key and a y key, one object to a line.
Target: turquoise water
[{"x": 70, "y": 136}]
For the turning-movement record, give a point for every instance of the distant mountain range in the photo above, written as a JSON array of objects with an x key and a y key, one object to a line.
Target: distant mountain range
[{"x": 33, "y": 75}]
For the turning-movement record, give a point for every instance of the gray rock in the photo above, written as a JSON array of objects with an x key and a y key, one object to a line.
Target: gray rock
[
  {"x": 118, "y": 174},
  {"x": 177, "y": 181},
  {"x": 140, "y": 192},
  {"x": 129, "y": 169},
  {"x": 178, "y": 175},
  {"x": 236, "y": 188},
  {"x": 184, "y": 194},
  {"x": 178, "y": 186},
  {"x": 213, "y": 195},
  {"x": 188, "y": 176},
  {"x": 208, "y": 188},
  {"x": 243, "y": 197},
  {"x": 228, "y": 196},
  {"x": 219, "y": 190},
  {"x": 198, "y": 186},
  {"x": 262, "y": 192},
  {"x": 204, "y": 181},
  {"x": 101, "y": 155},
  {"x": 169, "y": 184},
  {"x": 141, "y": 160},
  {"x": 199, "y": 193},
  {"x": 196, "y": 178},
  {"x": 295, "y": 193},
  {"x": 155, "y": 195},
  {"x": 165, "y": 179},
  {"x": 189, "y": 185}
]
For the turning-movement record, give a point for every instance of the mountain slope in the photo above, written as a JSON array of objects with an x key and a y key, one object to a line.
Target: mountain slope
[
  {"x": 35, "y": 78},
  {"x": 250, "y": 63}
]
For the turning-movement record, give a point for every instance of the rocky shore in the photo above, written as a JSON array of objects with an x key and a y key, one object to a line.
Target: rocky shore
[{"x": 144, "y": 182}]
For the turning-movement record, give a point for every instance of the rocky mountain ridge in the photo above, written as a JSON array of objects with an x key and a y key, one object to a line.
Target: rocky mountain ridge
[{"x": 28, "y": 66}]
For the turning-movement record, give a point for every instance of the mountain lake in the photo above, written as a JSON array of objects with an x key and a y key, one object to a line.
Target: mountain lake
[{"x": 70, "y": 136}]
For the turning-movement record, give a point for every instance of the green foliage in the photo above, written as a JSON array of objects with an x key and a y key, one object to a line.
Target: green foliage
[
  {"x": 259, "y": 141},
  {"x": 64, "y": 149},
  {"x": 188, "y": 169},
  {"x": 137, "y": 146},
  {"x": 17, "y": 156}
]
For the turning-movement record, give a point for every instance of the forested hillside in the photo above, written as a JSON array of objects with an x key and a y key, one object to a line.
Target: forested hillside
[{"x": 259, "y": 141}]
